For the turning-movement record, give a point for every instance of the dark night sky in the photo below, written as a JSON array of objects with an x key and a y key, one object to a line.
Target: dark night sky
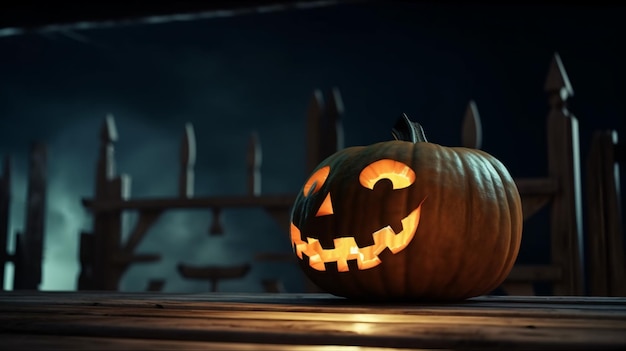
[{"x": 230, "y": 76}]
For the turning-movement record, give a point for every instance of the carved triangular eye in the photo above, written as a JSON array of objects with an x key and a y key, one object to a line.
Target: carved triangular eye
[
  {"x": 400, "y": 175},
  {"x": 316, "y": 181},
  {"x": 326, "y": 208}
]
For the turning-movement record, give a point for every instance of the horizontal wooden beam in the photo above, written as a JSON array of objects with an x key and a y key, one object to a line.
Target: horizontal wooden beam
[
  {"x": 213, "y": 272},
  {"x": 124, "y": 259},
  {"x": 275, "y": 257},
  {"x": 534, "y": 273},
  {"x": 536, "y": 186},
  {"x": 267, "y": 201}
]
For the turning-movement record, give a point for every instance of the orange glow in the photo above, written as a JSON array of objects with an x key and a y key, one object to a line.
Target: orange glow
[
  {"x": 400, "y": 174},
  {"x": 326, "y": 208},
  {"x": 346, "y": 248},
  {"x": 316, "y": 181}
]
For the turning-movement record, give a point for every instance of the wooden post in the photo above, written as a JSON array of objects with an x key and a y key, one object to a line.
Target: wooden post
[
  {"x": 106, "y": 267},
  {"x": 28, "y": 265},
  {"x": 254, "y": 165},
  {"x": 86, "y": 278},
  {"x": 331, "y": 139},
  {"x": 607, "y": 264},
  {"x": 313, "y": 131},
  {"x": 564, "y": 166},
  {"x": 324, "y": 128},
  {"x": 187, "y": 161},
  {"x": 471, "y": 132},
  {"x": 5, "y": 201}
]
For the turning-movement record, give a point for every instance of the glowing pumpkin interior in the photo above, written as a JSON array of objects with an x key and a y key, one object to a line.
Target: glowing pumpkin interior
[{"x": 346, "y": 248}]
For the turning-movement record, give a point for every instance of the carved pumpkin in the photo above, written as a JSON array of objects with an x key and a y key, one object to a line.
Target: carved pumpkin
[{"x": 407, "y": 219}]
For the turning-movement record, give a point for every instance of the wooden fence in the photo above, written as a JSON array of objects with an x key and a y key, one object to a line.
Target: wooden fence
[
  {"x": 104, "y": 257},
  {"x": 560, "y": 189},
  {"x": 605, "y": 239},
  {"x": 27, "y": 257}
]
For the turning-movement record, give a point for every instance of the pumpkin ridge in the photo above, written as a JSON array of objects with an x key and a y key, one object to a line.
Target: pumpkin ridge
[
  {"x": 505, "y": 227},
  {"x": 459, "y": 238},
  {"x": 494, "y": 245},
  {"x": 428, "y": 279},
  {"x": 406, "y": 262},
  {"x": 471, "y": 227},
  {"x": 515, "y": 234}
]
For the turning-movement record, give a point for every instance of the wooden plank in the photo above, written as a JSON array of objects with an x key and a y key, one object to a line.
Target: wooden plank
[
  {"x": 456, "y": 326},
  {"x": 270, "y": 201},
  {"x": 74, "y": 297},
  {"x": 509, "y": 306},
  {"x": 545, "y": 314},
  {"x": 28, "y": 342}
]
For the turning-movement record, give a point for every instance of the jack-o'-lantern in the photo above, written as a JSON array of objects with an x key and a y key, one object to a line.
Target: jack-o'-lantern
[{"x": 407, "y": 220}]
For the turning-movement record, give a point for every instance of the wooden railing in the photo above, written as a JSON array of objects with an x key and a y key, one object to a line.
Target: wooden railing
[{"x": 105, "y": 258}]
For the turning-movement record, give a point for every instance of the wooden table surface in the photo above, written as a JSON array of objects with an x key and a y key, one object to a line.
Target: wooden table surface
[{"x": 297, "y": 322}]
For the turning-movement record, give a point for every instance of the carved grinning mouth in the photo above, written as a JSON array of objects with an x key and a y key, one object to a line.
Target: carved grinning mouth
[{"x": 346, "y": 248}]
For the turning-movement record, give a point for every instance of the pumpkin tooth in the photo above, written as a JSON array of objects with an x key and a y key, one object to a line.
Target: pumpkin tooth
[
  {"x": 345, "y": 251},
  {"x": 326, "y": 242},
  {"x": 364, "y": 241},
  {"x": 396, "y": 226}
]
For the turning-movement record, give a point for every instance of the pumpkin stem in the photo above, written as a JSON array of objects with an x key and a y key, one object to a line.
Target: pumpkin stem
[{"x": 407, "y": 130}]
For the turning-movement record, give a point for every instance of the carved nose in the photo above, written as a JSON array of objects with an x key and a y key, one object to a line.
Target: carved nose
[{"x": 326, "y": 208}]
